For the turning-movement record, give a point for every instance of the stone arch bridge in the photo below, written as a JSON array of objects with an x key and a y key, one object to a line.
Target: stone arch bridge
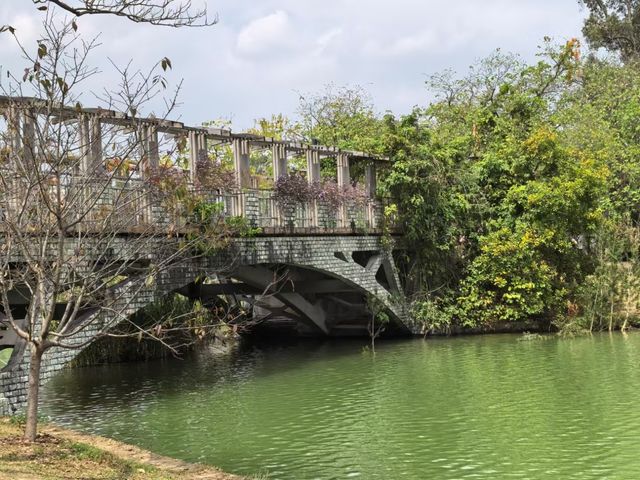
[
  {"x": 324, "y": 293},
  {"x": 318, "y": 264}
]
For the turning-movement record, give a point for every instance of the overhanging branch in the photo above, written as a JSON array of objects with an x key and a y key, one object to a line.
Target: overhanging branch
[{"x": 167, "y": 13}]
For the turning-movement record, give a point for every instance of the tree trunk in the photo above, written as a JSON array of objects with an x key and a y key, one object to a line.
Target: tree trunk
[
  {"x": 611, "y": 318},
  {"x": 372, "y": 333},
  {"x": 625, "y": 325},
  {"x": 31, "y": 426},
  {"x": 594, "y": 307}
]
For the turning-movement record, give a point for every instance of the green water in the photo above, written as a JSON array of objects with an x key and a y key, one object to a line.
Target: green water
[{"x": 474, "y": 407}]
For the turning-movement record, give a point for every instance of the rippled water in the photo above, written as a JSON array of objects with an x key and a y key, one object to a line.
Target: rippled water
[{"x": 472, "y": 407}]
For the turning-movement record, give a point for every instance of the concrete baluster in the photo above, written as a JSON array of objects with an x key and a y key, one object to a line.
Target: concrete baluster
[
  {"x": 344, "y": 181},
  {"x": 279, "y": 158},
  {"x": 241, "y": 150},
  {"x": 15, "y": 142},
  {"x": 370, "y": 185},
  {"x": 84, "y": 145},
  {"x": 370, "y": 179},
  {"x": 144, "y": 169},
  {"x": 13, "y": 120},
  {"x": 193, "y": 155},
  {"x": 29, "y": 136},
  {"x": 344, "y": 175},
  {"x": 143, "y": 149},
  {"x": 313, "y": 176},
  {"x": 313, "y": 166},
  {"x": 242, "y": 170},
  {"x": 153, "y": 147},
  {"x": 203, "y": 150},
  {"x": 202, "y": 154},
  {"x": 96, "y": 143}
]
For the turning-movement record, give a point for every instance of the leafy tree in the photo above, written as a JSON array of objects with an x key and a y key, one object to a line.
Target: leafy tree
[
  {"x": 615, "y": 26},
  {"x": 610, "y": 296},
  {"x": 603, "y": 117},
  {"x": 342, "y": 117},
  {"x": 497, "y": 198},
  {"x": 278, "y": 127},
  {"x": 430, "y": 184}
]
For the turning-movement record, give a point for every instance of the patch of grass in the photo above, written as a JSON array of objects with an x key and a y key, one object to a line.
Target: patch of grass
[
  {"x": 125, "y": 468},
  {"x": 18, "y": 420},
  {"x": 89, "y": 452}
]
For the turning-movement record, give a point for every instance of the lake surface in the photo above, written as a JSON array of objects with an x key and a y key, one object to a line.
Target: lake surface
[{"x": 470, "y": 407}]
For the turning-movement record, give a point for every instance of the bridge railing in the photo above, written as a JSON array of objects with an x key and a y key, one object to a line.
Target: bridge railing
[
  {"x": 261, "y": 209},
  {"x": 132, "y": 205}
]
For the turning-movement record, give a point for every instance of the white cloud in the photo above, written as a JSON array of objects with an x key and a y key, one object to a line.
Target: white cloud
[
  {"x": 262, "y": 52},
  {"x": 420, "y": 42},
  {"x": 272, "y": 31},
  {"x": 325, "y": 40},
  {"x": 26, "y": 28}
]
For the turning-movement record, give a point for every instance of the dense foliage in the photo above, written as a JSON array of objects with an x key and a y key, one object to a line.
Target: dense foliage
[
  {"x": 614, "y": 25},
  {"x": 510, "y": 187},
  {"x": 517, "y": 189}
]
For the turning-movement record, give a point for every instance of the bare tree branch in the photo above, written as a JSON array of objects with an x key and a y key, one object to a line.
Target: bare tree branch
[{"x": 168, "y": 13}]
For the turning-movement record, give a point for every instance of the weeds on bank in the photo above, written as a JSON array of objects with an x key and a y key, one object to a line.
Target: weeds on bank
[
  {"x": 260, "y": 476},
  {"x": 531, "y": 337}
]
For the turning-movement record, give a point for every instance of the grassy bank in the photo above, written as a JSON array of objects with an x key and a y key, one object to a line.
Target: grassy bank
[{"x": 62, "y": 454}]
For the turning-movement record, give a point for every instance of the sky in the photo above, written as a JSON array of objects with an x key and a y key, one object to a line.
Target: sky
[{"x": 262, "y": 54}]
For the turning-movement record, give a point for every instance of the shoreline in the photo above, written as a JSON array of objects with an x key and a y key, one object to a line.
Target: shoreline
[{"x": 60, "y": 453}]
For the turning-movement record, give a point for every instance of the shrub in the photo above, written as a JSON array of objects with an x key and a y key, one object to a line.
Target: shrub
[
  {"x": 291, "y": 190},
  {"x": 214, "y": 177}
]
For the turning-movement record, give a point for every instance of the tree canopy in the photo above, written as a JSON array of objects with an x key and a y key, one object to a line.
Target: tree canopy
[
  {"x": 614, "y": 25},
  {"x": 510, "y": 187}
]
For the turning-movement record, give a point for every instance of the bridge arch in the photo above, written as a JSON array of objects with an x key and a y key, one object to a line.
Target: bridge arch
[{"x": 325, "y": 292}]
